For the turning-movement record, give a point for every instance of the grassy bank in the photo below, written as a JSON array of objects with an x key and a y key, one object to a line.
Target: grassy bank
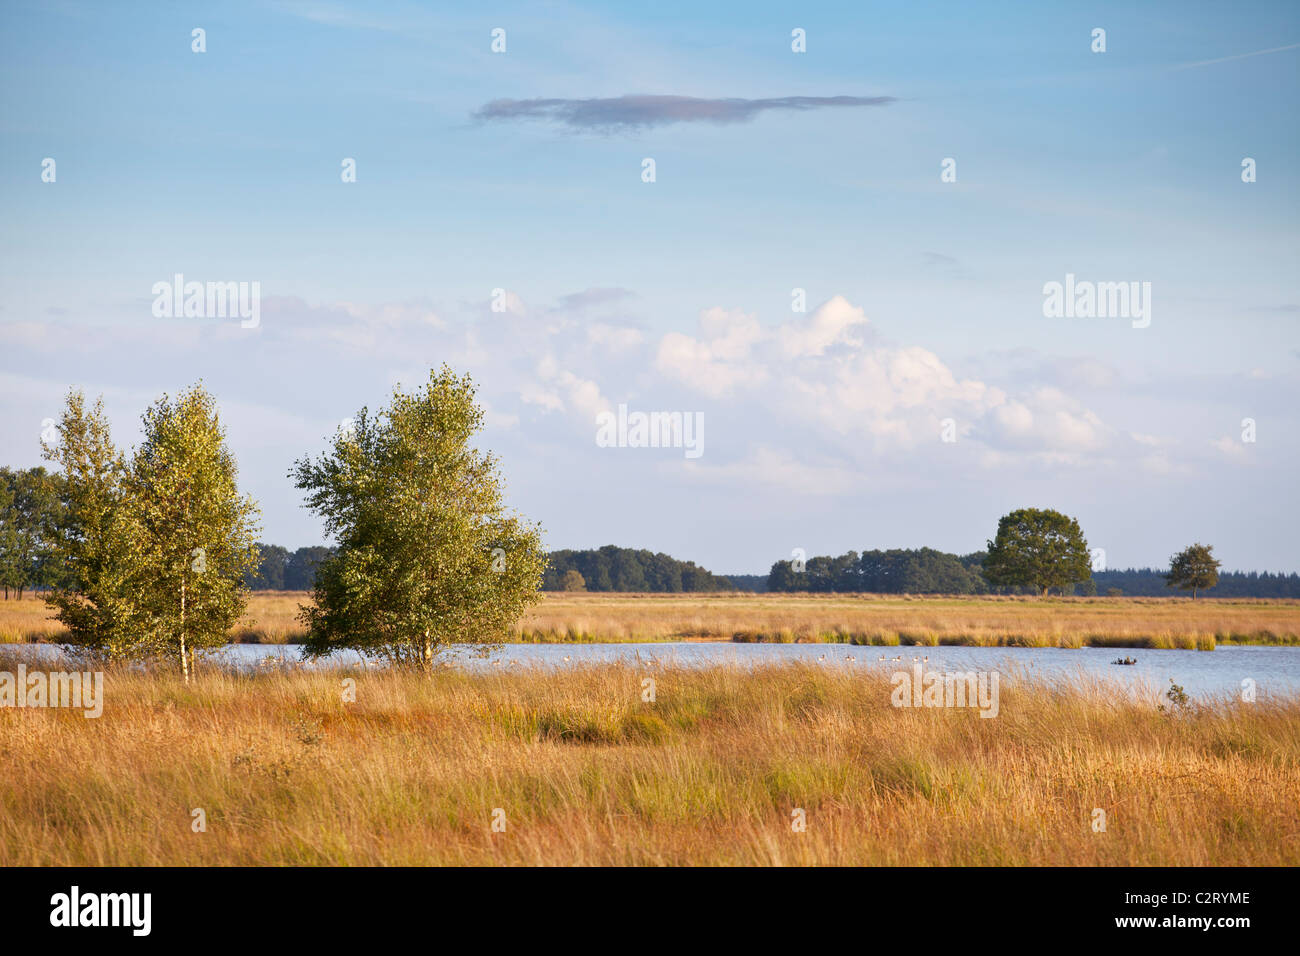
[
  {"x": 883, "y": 620},
  {"x": 585, "y": 772}
]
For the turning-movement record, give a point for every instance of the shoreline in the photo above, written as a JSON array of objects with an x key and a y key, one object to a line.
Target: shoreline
[{"x": 1155, "y": 642}]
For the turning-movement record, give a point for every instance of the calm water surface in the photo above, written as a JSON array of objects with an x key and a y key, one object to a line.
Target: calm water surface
[{"x": 1275, "y": 670}]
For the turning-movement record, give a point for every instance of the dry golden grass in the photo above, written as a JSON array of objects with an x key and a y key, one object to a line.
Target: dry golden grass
[
  {"x": 586, "y": 773},
  {"x": 895, "y": 619},
  {"x": 271, "y": 618},
  {"x": 866, "y": 619}
]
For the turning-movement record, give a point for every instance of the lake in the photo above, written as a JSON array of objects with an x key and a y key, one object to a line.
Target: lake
[{"x": 1275, "y": 670}]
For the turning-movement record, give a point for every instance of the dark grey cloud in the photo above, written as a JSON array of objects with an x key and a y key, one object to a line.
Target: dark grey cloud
[{"x": 633, "y": 112}]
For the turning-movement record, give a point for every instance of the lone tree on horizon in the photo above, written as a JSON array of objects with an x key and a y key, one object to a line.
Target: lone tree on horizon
[
  {"x": 427, "y": 555},
  {"x": 1192, "y": 569},
  {"x": 1037, "y": 548}
]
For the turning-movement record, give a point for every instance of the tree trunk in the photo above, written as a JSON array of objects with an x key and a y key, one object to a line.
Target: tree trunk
[
  {"x": 185, "y": 663},
  {"x": 428, "y": 652}
]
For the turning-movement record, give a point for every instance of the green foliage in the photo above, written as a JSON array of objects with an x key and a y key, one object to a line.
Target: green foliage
[
  {"x": 573, "y": 581},
  {"x": 1179, "y": 700},
  {"x": 151, "y": 555},
  {"x": 426, "y": 554},
  {"x": 280, "y": 569},
  {"x": 1039, "y": 548},
  {"x": 300, "y": 567},
  {"x": 272, "y": 562},
  {"x": 10, "y": 566},
  {"x": 97, "y": 559},
  {"x": 30, "y": 511},
  {"x": 198, "y": 535},
  {"x": 1194, "y": 568}
]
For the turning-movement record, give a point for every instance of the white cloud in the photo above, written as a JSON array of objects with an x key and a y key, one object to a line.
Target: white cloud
[
  {"x": 777, "y": 469},
  {"x": 826, "y": 372},
  {"x": 615, "y": 337},
  {"x": 1231, "y": 448},
  {"x": 834, "y": 323}
]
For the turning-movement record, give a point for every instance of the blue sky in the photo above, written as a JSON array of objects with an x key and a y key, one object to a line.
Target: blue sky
[{"x": 925, "y": 297}]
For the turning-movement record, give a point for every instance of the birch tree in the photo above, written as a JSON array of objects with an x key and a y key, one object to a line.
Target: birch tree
[
  {"x": 199, "y": 536},
  {"x": 96, "y": 556},
  {"x": 427, "y": 555}
]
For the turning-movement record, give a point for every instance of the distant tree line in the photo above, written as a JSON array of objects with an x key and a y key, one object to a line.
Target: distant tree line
[
  {"x": 623, "y": 569},
  {"x": 1035, "y": 552},
  {"x": 36, "y": 523},
  {"x": 280, "y": 569},
  {"x": 599, "y": 569},
  {"x": 1151, "y": 582},
  {"x": 912, "y": 576},
  {"x": 897, "y": 571},
  {"x": 32, "y": 508}
]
